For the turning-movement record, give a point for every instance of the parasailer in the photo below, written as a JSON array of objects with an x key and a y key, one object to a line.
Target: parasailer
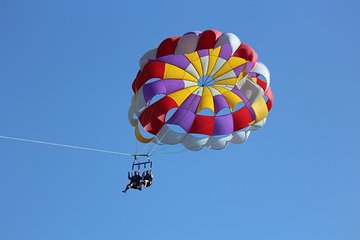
[
  {"x": 135, "y": 181},
  {"x": 147, "y": 177}
]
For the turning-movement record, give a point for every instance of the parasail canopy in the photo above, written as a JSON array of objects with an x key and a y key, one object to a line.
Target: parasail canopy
[{"x": 202, "y": 89}]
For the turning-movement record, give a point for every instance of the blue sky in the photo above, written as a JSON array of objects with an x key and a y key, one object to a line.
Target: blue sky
[{"x": 66, "y": 69}]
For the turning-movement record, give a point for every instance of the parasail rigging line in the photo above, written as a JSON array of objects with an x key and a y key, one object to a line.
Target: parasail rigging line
[{"x": 66, "y": 145}]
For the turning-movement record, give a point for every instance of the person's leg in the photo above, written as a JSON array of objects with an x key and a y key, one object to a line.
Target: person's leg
[
  {"x": 146, "y": 183},
  {"x": 126, "y": 188}
]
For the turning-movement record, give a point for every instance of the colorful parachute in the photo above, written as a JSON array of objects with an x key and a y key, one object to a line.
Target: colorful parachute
[{"x": 203, "y": 89}]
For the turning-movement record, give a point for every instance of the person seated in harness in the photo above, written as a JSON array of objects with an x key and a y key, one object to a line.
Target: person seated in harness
[
  {"x": 147, "y": 177},
  {"x": 135, "y": 181}
]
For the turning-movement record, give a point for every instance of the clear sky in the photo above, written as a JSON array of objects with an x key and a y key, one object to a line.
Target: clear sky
[{"x": 66, "y": 69}]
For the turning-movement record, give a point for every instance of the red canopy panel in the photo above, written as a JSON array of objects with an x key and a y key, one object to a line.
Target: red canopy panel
[
  {"x": 153, "y": 69},
  {"x": 153, "y": 117},
  {"x": 270, "y": 100},
  {"x": 167, "y": 46},
  {"x": 246, "y": 52},
  {"x": 203, "y": 125},
  {"x": 242, "y": 118},
  {"x": 208, "y": 39},
  {"x": 261, "y": 83}
]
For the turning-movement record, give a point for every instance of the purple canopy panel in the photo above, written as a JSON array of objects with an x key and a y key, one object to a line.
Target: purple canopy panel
[
  {"x": 173, "y": 85},
  {"x": 223, "y": 125},
  {"x": 161, "y": 87},
  {"x": 225, "y": 51},
  {"x": 152, "y": 89},
  {"x": 165, "y": 58},
  {"x": 219, "y": 103},
  {"x": 239, "y": 69},
  {"x": 191, "y": 103},
  {"x": 203, "y": 52},
  {"x": 183, "y": 118},
  {"x": 252, "y": 74},
  {"x": 177, "y": 60},
  {"x": 249, "y": 66}
]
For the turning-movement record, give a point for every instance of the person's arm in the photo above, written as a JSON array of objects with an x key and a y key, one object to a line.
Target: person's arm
[{"x": 129, "y": 176}]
